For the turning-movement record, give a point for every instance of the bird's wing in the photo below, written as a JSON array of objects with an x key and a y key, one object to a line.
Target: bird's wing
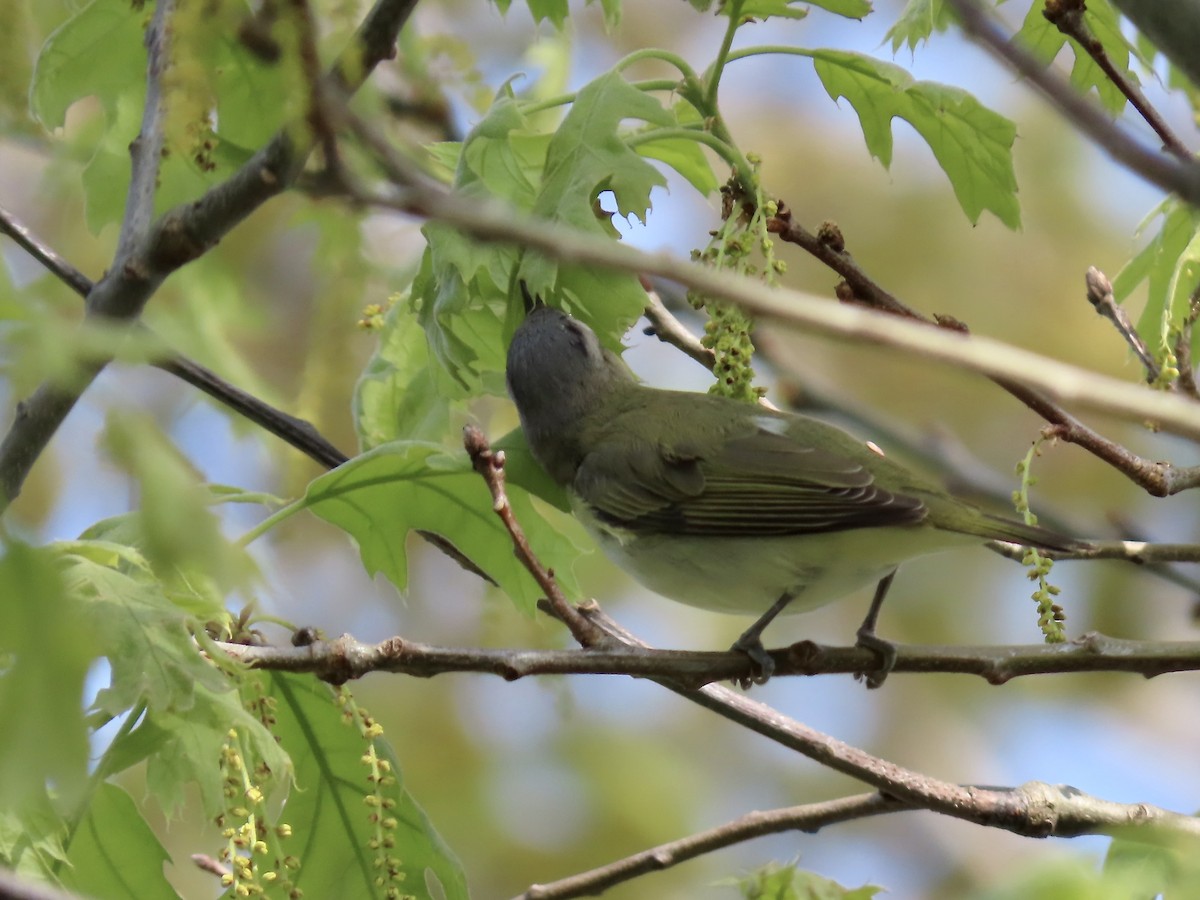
[{"x": 758, "y": 484}]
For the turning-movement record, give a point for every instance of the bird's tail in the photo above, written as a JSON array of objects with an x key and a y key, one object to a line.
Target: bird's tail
[{"x": 1003, "y": 529}]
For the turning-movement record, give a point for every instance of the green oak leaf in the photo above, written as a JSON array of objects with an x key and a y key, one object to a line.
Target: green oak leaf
[{"x": 379, "y": 497}]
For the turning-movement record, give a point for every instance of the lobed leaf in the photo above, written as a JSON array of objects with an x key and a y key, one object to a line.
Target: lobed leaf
[
  {"x": 46, "y": 649},
  {"x": 379, "y": 497},
  {"x": 972, "y": 144},
  {"x": 330, "y": 821},
  {"x": 113, "y": 853},
  {"x": 917, "y": 22},
  {"x": 1169, "y": 264}
]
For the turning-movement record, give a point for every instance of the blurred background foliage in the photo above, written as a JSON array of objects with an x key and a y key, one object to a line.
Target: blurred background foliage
[{"x": 537, "y": 779}]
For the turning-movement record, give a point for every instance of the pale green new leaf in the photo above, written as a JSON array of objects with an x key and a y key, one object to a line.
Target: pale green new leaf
[
  {"x": 972, "y": 144},
  {"x": 113, "y": 854},
  {"x": 46, "y": 649},
  {"x": 919, "y": 20},
  {"x": 851, "y": 9},
  {"x": 97, "y": 52},
  {"x": 789, "y": 882},
  {"x": 179, "y": 533},
  {"x": 331, "y": 825},
  {"x": 396, "y": 396},
  {"x": 757, "y": 10},
  {"x": 254, "y": 98},
  {"x": 1168, "y": 265},
  {"x": 379, "y": 497},
  {"x": 682, "y": 154},
  {"x": 1045, "y": 41},
  {"x": 462, "y": 288},
  {"x": 554, "y": 11},
  {"x": 180, "y": 180},
  {"x": 587, "y": 155},
  {"x": 144, "y": 635},
  {"x": 31, "y": 837},
  {"x": 185, "y": 749}
]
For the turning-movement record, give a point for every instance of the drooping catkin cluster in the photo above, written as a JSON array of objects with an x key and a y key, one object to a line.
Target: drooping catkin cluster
[
  {"x": 1051, "y": 617},
  {"x": 390, "y": 874},
  {"x": 253, "y": 862},
  {"x": 743, "y": 245}
]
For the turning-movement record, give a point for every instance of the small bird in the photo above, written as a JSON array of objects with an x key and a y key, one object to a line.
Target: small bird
[{"x": 722, "y": 504}]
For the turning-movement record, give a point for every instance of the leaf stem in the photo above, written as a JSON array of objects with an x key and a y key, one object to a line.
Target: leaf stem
[
  {"x": 718, "y": 66},
  {"x": 270, "y": 522},
  {"x": 696, "y": 133}
]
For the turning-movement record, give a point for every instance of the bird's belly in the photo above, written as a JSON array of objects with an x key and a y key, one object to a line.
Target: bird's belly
[{"x": 746, "y": 575}]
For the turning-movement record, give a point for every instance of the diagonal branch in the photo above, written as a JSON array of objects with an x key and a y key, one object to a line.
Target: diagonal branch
[
  {"x": 809, "y": 818},
  {"x": 294, "y": 431},
  {"x": 146, "y": 151},
  {"x": 145, "y": 260},
  {"x": 1157, "y": 479},
  {"x": 495, "y": 221},
  {"x": 1167, "y": 172},
  {"x": 1067, "y": 16}
]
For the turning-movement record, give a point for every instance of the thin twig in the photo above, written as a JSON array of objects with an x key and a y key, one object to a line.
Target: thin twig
[
  {"x": 310, "y": 66},
  {"x": 1173, "y": 175},
  {"x": 146, "y": 151},
  {"x": 1183, "y": 348},
  {"x": 1100, "y": 295},
  {"x": 490, "y": 465},
  {"x": 55, "y": 264},
  {"x": 670, "y": 330},
  {"x": 1068, "y": 17},
  {"x": 295, "y": 431},
  {"x": 829, "y": 247},
  {"x": 809, "y": 818}
]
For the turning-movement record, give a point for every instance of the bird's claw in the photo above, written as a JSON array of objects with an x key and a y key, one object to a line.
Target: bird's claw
[
  {"x": 884, "y": 649},
  {"x": 762, "y": 664}
]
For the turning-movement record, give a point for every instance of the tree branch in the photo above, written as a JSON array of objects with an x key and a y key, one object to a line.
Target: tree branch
[
  {"x": 1157, "y": 479},
  {"x": 809, "y": 818},
  {"x": 494, "y": 221},
  {"x": 1067, "y": 16},
  {"x": 295, "y": 431},
  {"x": 1034, "y": 810},
  {"x": 345, "y": 658},
  {"x": 1172, "y": 175}
]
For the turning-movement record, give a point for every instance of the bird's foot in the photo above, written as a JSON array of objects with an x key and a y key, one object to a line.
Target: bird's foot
[
  {"x": 884, "y": 649},
  {"x": 762, "y": 665}
]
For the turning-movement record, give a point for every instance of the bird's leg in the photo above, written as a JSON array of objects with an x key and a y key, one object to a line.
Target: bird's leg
[
  {"x": 869, "y": 640},
  {"x": 751, "y": 644}
]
